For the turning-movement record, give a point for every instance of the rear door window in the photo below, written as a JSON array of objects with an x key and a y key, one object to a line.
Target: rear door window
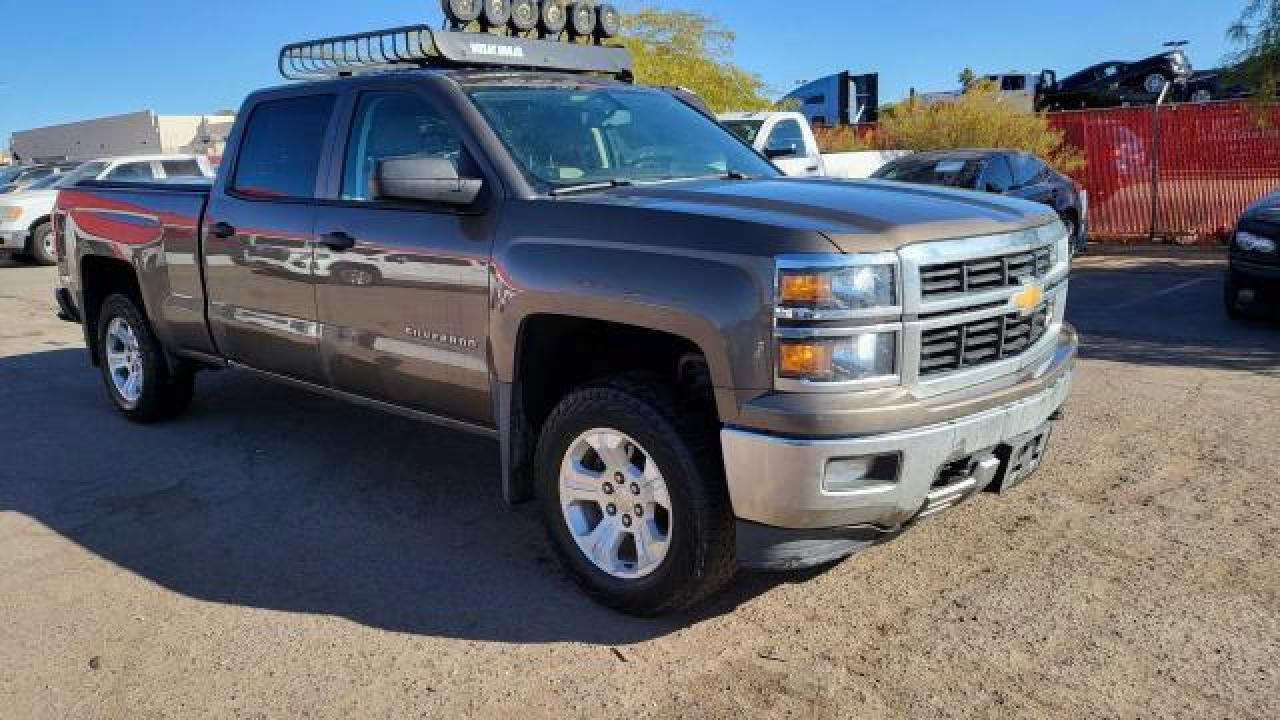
[
  {"x": 134, "y": 171},
  {"x": 181, "y": 168},
  {"x": 280, "y": 154}
]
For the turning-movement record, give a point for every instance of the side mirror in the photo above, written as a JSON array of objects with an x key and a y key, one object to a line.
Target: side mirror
[
  {"x": 427, "y": 179},
  {"x": 775, "y": 152}
]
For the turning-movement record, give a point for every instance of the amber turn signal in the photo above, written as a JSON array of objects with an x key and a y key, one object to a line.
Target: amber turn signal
[
  {"x": 805, "y": 289},
  {"x": 811, "y": 360}
]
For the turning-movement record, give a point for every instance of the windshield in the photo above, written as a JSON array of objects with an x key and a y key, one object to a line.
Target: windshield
[
  {"x": 564, "y": 137},
  {"x": 44, "y": 182},
  {"x": 949, "y": 172},
  {"x": 87, "y": 171},
  {"x": 748, "y": 130}
]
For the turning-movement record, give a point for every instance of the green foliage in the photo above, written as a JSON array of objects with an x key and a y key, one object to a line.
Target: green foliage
[
  {"x": 968, "y": 78},
  {"x": 694, "y": 51},
  {"x": 977, "y": 119},
  {"x": 1257, "y": 32}
]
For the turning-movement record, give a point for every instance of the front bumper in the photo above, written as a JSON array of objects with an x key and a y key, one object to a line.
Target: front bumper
[
  {"x": 13, "y": 240},
  {"x": 787, "y": 518}
]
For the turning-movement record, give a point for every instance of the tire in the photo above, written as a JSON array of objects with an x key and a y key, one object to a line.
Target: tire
[
  {"x": 696, "y": 557},
  {"x": 1154, "y": 83},
  {"x": 1073, "y": 231},
  {"x": 40, "y": 248},
  {"x": 162, "y": 391},
  {"x": 1230, "y": 301}
]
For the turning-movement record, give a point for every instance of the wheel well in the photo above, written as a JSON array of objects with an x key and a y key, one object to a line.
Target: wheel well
[
  {"x": 38, "y": 222},
  {"x": 559, "y": 353},
  {"x": 100, "y": 278}
]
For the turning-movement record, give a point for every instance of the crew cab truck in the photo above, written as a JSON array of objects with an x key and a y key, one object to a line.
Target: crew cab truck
[{"x": 692, "y": 362}]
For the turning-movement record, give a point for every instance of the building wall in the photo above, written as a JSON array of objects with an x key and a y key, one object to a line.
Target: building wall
[{"x": 139, "y": 133}]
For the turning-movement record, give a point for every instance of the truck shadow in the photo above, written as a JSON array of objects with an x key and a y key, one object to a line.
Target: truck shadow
[{"x": 268, "y": 497}]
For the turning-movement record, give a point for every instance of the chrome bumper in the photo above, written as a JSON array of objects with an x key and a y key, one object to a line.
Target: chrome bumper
[
  {"x": 13, "y": 240},
  {"x": 778, "y": 482}
]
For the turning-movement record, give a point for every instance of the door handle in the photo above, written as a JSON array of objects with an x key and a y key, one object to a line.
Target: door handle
[
  {"x": 337, "y": 241},
  {"x": 222, "y": 230}
]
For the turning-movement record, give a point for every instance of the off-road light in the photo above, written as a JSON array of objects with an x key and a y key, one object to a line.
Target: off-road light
[
  {"x": 462, "y": 12},
  {"x": 582, "y": 19},
  {"x": 524, "y": 15},
  {"x": 496, "y": 13},
  {"x": 608, "y": 22},
  {"x": 552, "y": 18}
]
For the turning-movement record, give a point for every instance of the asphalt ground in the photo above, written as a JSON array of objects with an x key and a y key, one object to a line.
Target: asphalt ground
[{"x": 278, "y": 554}]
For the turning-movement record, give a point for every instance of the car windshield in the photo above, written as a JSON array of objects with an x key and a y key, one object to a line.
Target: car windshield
[
  {"x": 87, "y": 171},
  {"x": 748, "y": 130},
  {"x": 564, "y": 137},
  {"x": 44, "y": 182},
  {"x": 949, "y": 172}
]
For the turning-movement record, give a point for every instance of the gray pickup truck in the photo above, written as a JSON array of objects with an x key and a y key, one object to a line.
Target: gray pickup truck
[{"x": 694, "y": 363}]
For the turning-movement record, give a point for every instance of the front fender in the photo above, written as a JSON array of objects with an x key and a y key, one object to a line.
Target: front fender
[{"x": 718, "y": 301}]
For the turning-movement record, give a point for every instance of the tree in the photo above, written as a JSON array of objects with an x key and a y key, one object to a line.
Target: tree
[
  {"x": 691, "y": 50},
  {"x": 1257, "y": 32},
  {"x": 977, "y": 119},
  {"x": 967, "y": 78}
]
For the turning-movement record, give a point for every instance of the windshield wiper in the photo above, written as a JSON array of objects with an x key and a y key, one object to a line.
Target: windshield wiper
[{"x": 591, "y": 186}]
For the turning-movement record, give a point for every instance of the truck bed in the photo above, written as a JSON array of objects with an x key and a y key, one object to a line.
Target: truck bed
[{"x": 155, "y": 227}]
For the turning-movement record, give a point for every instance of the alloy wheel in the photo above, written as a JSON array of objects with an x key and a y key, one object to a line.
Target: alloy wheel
[
  {"x": 614, "y": 501},
  {"x": 124, "y": 360}
]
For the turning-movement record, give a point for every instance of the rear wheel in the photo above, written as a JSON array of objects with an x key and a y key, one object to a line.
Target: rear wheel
[
  {"x": 139, "y": 378},
  {"x": 40, "y": 248},
  {"x": 633, "y": 497},
  {"x": 1155, "y": 83}
]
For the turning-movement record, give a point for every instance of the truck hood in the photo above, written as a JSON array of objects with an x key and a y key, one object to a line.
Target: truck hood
[
  {"x": 31, "y": 200},
  {"x": 855, "y": 215}
]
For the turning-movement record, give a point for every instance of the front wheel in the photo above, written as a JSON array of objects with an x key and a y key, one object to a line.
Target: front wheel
[
  {"x": 40, "y": 248},
  {"x": 138, "y": 376},
  {"x": 634, "y": 499}
]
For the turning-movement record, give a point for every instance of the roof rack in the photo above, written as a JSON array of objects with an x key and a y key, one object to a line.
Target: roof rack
[{"x": 422, "y": 46}]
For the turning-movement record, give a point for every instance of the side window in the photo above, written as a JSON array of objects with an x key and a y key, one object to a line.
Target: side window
[
  {"x": 1013, "y": 83},
  {"x": 280, "y": 154},
  {"x": 996, "y": 176},
  {"x": 787, "y": 134},
  {"x": 1026, "y": 169},
  {"x": 393, "y": 124},
  {"x": 181, "y": 168},
  {"x": 138, "y": 171}
]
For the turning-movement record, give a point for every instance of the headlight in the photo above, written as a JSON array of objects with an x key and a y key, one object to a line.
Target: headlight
[
  {"x": 818, "y": 293},
  {"x": 10, "y": 213},
  {"x": 861, "y": 357},
  {"x": 1056, "y": 233},
  {"x": 1254, "y": 243}
]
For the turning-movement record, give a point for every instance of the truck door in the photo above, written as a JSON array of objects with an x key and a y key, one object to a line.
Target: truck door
[
  {"x": 258, "y": 234},
  {"x": 403, "y": 289}
]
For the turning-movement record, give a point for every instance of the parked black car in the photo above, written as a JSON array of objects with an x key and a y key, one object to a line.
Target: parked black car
[
  {"x": 1253, "y": 272},
  {"x": 1116, "y": 83},
  {"x": 1005, "y": 172}
]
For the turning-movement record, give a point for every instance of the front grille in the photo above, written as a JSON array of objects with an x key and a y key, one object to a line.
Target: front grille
[
  {"x": 989, "y": 273},
  {"x": 981, "y": 342}
]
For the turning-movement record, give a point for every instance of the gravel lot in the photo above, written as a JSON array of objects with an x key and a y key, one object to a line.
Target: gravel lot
[{"x": 274, "y": 554}]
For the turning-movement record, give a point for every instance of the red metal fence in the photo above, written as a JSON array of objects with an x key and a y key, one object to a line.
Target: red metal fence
[{"x": 1180, "y": 172}]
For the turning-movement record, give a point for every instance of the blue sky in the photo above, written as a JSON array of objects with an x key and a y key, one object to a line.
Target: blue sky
[{"x": 66, "y": 60}]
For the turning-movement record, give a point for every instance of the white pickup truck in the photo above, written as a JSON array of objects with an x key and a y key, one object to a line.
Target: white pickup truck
[
  {"x": 787, "y": 140},
  {"x": 25, "y": 227}
]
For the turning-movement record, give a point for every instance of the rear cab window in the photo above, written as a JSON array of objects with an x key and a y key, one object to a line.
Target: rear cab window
[
  {"x": 181, "y": 168},
  {"x": 132, "y": 171},
  {"x": 283, "y": 142}
]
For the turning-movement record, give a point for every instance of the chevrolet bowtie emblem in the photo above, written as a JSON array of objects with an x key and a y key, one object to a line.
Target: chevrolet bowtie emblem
[{"x": 1028, "y": 299}]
